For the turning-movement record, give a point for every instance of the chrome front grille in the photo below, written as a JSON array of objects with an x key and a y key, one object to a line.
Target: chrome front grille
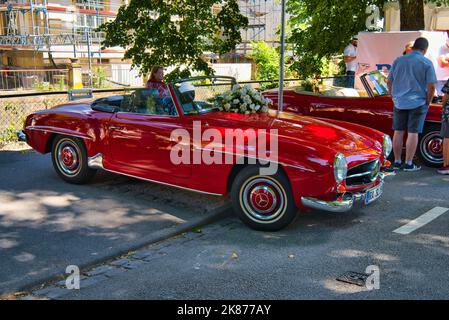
[{"x": 363, "y": 174}]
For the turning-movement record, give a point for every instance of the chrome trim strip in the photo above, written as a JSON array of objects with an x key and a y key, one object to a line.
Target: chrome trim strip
[
  {"x": 164, "y": 183},
  {"x": 338, "y": 206},
  {"x": 251, "y": 157},
  {"x": 59, "y": 132},
  {"x": 361, "y": 164},
  {"x": 367, "y": 173},
  {"x": 95, "y": 162},
  {"x": 331, "y": 206}
]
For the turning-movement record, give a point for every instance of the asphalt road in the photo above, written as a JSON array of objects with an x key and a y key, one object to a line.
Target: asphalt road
[
  {"x": 47, "y": 224},
  {"x": 229, "y": 261}
]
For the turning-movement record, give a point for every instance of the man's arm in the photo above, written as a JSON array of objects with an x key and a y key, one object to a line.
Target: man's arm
[
  {"x": 431, "y": 87},
  {"x": 431, "y": 83},
  {"x": 348, "y": 59},
  {"x": 349, "y": 55}
]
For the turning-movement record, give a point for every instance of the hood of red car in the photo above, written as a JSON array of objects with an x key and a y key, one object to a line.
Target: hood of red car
[
  {"x": 304, "y": 130},
  {"x": 321, "y": 132}
]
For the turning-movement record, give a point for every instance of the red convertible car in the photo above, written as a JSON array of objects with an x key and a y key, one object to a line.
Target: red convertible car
[
  {"x": 371, "y": 107},
  {"x": 321, "y": 165}
]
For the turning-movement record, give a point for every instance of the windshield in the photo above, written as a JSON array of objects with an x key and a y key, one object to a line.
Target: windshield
[
  {"x": 149, "y": 101},
  {"x": 377, "y": 83},
  {"x": 198, "y": 95}
]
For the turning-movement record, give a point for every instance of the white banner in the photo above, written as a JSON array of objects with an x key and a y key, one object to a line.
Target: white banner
[{"x": 378, "y": 50}]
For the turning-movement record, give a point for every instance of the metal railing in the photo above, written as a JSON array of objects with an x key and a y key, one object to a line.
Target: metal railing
[{"x": 42, "y": 80}]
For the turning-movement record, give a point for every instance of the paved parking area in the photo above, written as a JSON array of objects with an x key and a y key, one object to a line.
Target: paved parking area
[
  {"x": 47, "y": 224},
  {"x": 226, "y": 260}
]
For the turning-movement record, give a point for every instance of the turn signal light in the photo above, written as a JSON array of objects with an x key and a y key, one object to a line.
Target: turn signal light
[
  {"x": 341, "y": 189},
  {"x": 387, "y": 163}
]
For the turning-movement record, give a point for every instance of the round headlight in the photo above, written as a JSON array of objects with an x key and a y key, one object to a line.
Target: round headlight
[
  {"x": 387, "y": 146},
  {"x": 340, "y": 168}
]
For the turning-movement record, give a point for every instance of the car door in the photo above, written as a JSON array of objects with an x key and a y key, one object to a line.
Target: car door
[{"x": 139, "y": 138}]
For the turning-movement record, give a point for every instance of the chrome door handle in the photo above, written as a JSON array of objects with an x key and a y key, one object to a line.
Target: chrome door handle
[{"x": 115, "y": 128}]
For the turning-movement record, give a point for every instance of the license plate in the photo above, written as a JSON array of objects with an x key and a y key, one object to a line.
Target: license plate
[{"x": 373, "y": 194}]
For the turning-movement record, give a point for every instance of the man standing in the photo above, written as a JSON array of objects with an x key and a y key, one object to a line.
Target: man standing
[
  {"x": 411, "y": 82},
  {"x": 350, "y": 55}
]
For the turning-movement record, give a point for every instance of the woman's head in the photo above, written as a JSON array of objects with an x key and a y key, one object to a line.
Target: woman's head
[
  {"x": 409, "y": 47},
  {"x": 157, "y": 73}
]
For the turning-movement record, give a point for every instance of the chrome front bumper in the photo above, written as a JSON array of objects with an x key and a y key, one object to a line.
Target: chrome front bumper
[
  {"x": 21, "y": 136},
  {"x": 345, "y": 204}
]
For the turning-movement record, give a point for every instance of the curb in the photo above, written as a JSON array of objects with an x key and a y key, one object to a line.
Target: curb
[{"x": 162, "y": 235}]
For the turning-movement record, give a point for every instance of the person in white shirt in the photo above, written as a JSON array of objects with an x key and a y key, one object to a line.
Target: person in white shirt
[{"x": 350, "y": 56}]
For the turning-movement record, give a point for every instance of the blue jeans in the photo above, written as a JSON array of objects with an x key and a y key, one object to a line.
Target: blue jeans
[{"x": 350, "y": 79}]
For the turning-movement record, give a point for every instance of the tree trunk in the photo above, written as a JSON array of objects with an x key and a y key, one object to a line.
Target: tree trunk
[{"x": 412, "y": 15}]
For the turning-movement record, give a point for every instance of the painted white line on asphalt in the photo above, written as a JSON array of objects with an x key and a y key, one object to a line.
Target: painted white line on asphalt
[{"x": 421, "y": 220}]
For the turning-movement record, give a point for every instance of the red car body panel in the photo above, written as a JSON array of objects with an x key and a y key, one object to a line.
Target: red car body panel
[
  {"x": 372, "y": 112},
  {"x": 141, "y": 147},
  {"x": 371, "y": 107}
]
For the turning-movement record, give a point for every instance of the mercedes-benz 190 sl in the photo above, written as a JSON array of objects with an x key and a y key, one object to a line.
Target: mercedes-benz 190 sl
[{"x": 269, "y": 163}]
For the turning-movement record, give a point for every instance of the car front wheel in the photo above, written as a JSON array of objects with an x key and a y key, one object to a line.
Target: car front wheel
[
  {"x": 69, "y": 159},
  {"x": 263, "y": 202}
]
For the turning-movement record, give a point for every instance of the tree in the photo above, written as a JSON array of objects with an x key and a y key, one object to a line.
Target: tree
[
  {"x": 175, "y": 33},
  {"x": 266, "y": 59},
  {"x": 412, "y": 15},
  {"x": 321, "y": 29}
]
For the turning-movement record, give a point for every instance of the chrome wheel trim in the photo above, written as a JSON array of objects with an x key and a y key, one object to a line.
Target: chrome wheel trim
[
  {"x": 68, "y": 157},
  {"x": 271, "y": 213},
  {"x": 430, "y": 144}
]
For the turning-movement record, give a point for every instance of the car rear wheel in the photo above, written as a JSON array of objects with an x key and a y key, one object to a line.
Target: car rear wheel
[
  {"x": 263, "y": 202},
  {"x": 430, "y": 149},
  {"x": 69, "y": 159}
]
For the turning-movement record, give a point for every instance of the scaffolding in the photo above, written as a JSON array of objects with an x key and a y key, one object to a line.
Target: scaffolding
[
  {"x": 25, "y": 26},
  {"x": 263, "y": 21}
]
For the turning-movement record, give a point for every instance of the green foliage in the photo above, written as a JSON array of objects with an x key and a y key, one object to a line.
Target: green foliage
[
  {"x": 330, "y": 67},
  {"x": 321, "y": 29},
  {"x": 9, "y": 134},
  {"x": 267, "y": 60},
  {"x": 311, "y": 85},
  {"x": 61, "y": 84},
  {"x": 175, "y": 33},
  {"x": 99, "y": 78}
]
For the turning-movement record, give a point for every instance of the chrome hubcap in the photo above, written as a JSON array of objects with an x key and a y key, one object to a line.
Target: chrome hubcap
[
  {"x": 432, "y": 147},
  {"x": 68, "y": 157},
  {"x": 263, "y": 200}
]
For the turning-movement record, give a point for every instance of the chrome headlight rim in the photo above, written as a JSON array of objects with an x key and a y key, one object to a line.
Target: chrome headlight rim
[
  {"x": 340, "y": 168},
  {"x": 387, "y": 146}
]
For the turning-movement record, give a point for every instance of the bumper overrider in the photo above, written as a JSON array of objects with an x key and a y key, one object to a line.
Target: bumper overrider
[{"x": 348, "y": 200}]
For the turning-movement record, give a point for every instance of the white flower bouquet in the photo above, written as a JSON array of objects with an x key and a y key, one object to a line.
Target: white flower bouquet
[{"x": 240, "y": 99}]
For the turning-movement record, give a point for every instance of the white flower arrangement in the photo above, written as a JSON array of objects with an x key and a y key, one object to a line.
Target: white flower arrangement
[{"x": 244, "y": 100}]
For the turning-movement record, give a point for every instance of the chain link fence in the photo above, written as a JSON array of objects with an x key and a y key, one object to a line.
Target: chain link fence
[{"x": 15, "y": 108}]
